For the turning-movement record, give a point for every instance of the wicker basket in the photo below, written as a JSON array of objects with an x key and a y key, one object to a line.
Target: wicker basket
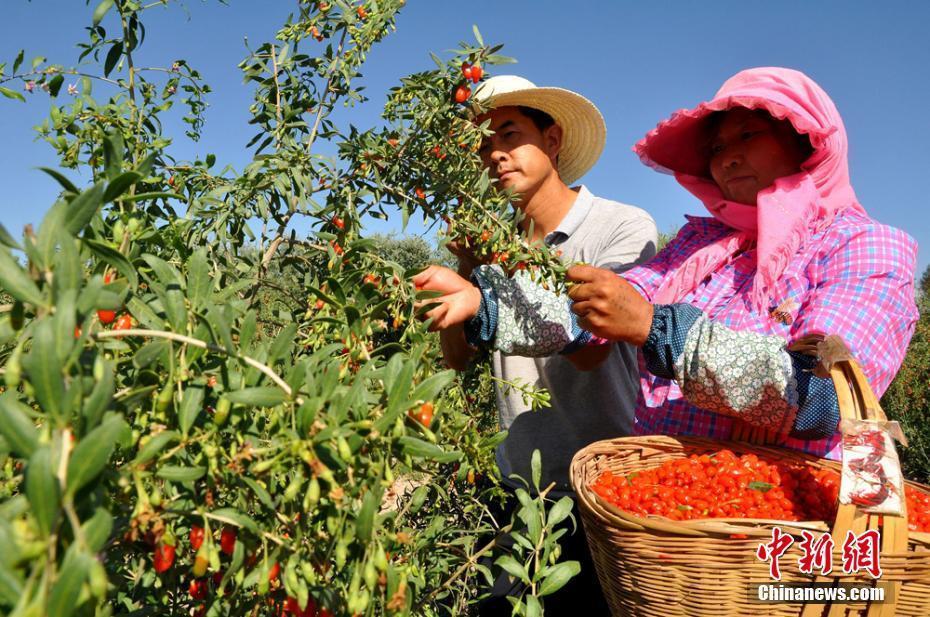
[{"x": 655, "y": 566}]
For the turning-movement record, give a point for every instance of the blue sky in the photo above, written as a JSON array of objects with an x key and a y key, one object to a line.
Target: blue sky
[{"x": 638, "y": 61}]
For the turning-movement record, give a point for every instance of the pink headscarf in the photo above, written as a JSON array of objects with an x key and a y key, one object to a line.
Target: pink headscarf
[{"x": 787, "y": 213}]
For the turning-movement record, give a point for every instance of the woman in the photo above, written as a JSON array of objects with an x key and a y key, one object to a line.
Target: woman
[{"x": 787, "y": 253}]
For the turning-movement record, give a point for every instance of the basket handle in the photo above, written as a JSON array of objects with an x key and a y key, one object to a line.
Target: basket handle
[{"x": 857, "y": 401}]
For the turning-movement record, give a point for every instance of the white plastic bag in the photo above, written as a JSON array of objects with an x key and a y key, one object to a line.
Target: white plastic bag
[{"x": 872, "y": 476}]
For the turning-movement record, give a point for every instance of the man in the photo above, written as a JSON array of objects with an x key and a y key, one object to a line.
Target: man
[{"x": 544, "y": 139}]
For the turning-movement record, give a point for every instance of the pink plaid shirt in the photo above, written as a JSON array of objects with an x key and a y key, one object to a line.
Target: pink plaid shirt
[{"x": 854, "y": 280}]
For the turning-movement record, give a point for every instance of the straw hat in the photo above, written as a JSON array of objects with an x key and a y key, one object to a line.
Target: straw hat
[{"x": 583, "y": 128}]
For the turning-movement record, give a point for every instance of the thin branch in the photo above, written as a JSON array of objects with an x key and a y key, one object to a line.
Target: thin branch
[
  {"x": 469, "y": 563},
  {"x": 180, "y": 338},
  {"x": 329, "y": 82},
  {"x": 112, "y": 82},
  {"x": 230, "y": 521},
  {"x": 277, "y": 92}
]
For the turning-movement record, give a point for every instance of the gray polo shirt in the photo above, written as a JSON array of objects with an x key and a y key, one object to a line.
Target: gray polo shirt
[{"x": 585, "y": 406}]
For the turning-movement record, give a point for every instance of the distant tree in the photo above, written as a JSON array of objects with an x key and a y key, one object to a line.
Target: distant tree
[
  {"x": 666, "y": 236},
  {"x": 908, "y": 398}
]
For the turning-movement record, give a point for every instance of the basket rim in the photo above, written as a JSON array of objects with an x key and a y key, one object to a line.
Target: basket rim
[{"x": 606, "y": 513}]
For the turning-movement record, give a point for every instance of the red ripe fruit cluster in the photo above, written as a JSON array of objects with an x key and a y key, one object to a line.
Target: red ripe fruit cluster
[
  {"x": 198, "y": 589},
  {"x": 196, "y": 537},
  {"x": 422, "y": 414},
  {"x": 918, "y": 510},
  {"x": 163, "y": 558},
  {"x": 472, "y": 72},
  {"x": 723, "y": 485},
  {"x": 124, "y": 322},
  {"x": 228, "y": 540},
  {"x": 292, "y": 607},
  {"x": 462, "y": 93}
]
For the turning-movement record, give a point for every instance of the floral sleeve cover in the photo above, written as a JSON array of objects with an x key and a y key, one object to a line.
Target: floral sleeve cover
[{"x": 739, "y": 374}]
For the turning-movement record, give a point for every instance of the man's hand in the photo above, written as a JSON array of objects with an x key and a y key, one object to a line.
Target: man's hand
[
  {"x": 459, "y": 300},
  {"x": 608, "y": 306}
]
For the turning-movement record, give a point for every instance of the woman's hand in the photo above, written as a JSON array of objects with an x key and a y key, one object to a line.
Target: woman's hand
[
  {"x": 459, "y": 302},
  {"x": 608, "y": 306}
]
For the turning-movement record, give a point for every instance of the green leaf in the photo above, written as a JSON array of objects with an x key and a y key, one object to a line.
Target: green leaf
[
  {"x": 430, "y": 387},
  {"x": 155, "y": 445},
  {"x": 145, "y": 314},
  {"x": 43, "y": 490},
  {"x": 513, "y": 567},
  {"x": 191, "y": 404},
  {"x": 115, "y": 259},
  {"x": 11, "y": 585},
  {"x": 16, "y": 426},
  {"x": 113, "y": 56},
  {"x": 282, "y": 343},
  {"x": 12, "y": 94},
  {"x": 199, "y": 281},
  {"x": 235, "y": 517},
  {"x": 83, "y": 208},
  {"x": 219, "y": 322},
  {"x": 176, "y": 473},
  {"x": 44, "y": 367},
  {"x": 364, "y": 523},
  {"x": 760, "y": 486},
  {"x": 150, "y": 352},
  {"x": 97, "y": 529},
  {"x": 53, "y": 227},
  {"x": 69, "y": 270},
  {"x": 419, "y": 448},
  {"x": 533, "y": 607},
  {"x": 164, "y": 272},
  {"x": 19, "y": 60},
  {"x": 62, "y": 179},
  {"x": 556, "y": 576},
  {"x": 258, "y": 397},
  {"x": 7, "y": 240},
  {"x": 560, "y": 511},
  {"x": 101, "y": 10},
  {"x": 93, "y": 452},
  {"x": 155, "y": 195},
  {"x": 54, "y": 85},
  {"x": 398, "y": 395},
  {"x": 474, "y": 28},
  {"x": 536, "y": 468},
  {"x": 148, "y": 163},
  {"x": 100, "y": 397},
  {"x": 15, "y": 281},
  {"x": 113, "y": 149},
  {"x": 64, "y": 597},
  {"x": 119, "y": 184},
  {"x": 260, "y": 492},
  {"x": 64, "y": 322}
]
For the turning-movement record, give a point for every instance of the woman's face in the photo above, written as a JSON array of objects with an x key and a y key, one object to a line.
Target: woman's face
[{"x": 751, "y": 150}]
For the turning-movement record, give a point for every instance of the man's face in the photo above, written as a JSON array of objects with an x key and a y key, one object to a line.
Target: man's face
[
  {"x": 750, "y": 151},
  {"x": 518, "y": 154}
]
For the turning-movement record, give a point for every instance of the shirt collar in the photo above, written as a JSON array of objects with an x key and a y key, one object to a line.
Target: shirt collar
[{"x": 572, "y": 221}]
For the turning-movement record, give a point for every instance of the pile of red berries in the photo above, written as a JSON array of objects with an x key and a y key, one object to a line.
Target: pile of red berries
[
  {"x": 724, "y": 485},
  {"x": 918, "y": 510}
]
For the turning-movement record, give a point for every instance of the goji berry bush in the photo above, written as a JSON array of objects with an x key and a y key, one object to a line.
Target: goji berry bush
[
  {"x": 205, "y": 414},
  {"x": 908, "y": 398}
]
